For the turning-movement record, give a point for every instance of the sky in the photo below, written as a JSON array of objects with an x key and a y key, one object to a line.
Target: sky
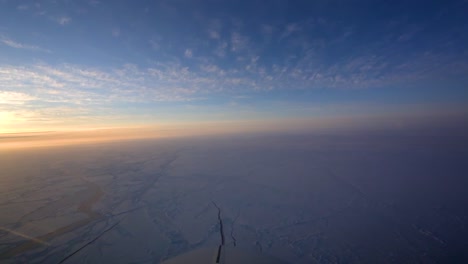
[{"x": 71, "y": 65}]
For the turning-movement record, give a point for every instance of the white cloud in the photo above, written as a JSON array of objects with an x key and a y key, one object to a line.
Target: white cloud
[
  {"x": 83, "y": 86},
  {"x": 173, "y": 81},
  {"x": 211, "y": 68},
  {"x": 116, "y": 32},
  {"x": 188, "y": 53},
  {"x": 63, "y": 20},
  {"x": 238, "y": 41},
  {"x": 42, "y": 93}
]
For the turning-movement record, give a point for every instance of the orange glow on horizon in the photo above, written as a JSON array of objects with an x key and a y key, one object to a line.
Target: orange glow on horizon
[
  {"x": 30, "y": 139},
  {"x": 83, "y": 135}
]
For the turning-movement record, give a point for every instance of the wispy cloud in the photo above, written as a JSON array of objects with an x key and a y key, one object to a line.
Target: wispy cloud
[
  {"x": 220, "y": 50},
  {"x": 63, "y": 20},
  {"x": 116, "y": 32},
  {"x": 267, "y": 29},
  {"x": 22, "y": 7},
  {"x": 94, "y": 2},
  {"x": 188, "y": 53},
  {"x": 14, "y": 98},
  {"x": 214, "y": 29},
  {"x": 409, "y": 33},
  {"x": 214, "y": 34},
  {"x": 211, "y": 68},
  {"x": 155, "y": 43},
  {"x": 81, "y": 86},
  {"x": 290, "y": 29},
  {"x": 17, "y": 45},
  {"x": 238, "y": 41}
]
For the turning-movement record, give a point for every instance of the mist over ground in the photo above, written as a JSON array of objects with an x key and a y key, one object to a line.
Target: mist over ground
[{"x": 371, "y": 197}]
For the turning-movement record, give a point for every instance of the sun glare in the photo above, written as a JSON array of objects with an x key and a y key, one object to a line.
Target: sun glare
[{"x": 6, "y": 120}]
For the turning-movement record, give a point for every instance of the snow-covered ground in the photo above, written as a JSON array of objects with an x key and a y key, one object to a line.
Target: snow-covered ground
[{"x": 304, "y": 199}]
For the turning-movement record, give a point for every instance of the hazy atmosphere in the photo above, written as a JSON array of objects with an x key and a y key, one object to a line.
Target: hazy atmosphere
[{"x": 282, "y": 131}]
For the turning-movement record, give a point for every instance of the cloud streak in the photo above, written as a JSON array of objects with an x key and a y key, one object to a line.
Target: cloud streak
[
  {"x": 17, "y": 45},
  {"x": 14, "y": 98}
]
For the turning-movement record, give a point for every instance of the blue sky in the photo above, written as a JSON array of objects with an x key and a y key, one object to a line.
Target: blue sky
[{"x": 122, "y": 63}]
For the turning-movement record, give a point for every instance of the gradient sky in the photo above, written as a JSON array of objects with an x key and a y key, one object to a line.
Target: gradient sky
[{"x": 84, "y": 64}]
